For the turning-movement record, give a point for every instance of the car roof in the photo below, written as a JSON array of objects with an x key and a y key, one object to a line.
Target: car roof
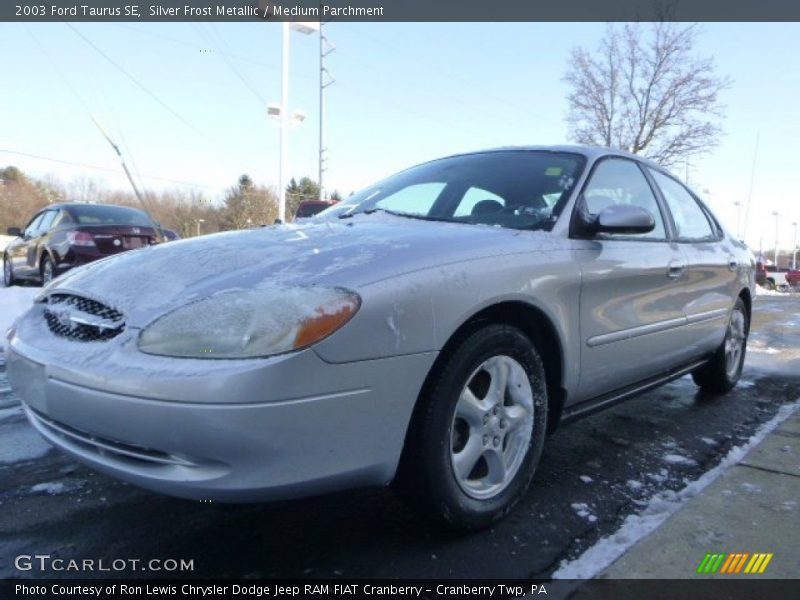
[
  {"x": 590, "y": 152},
  {"x": 58, "y": 205}
]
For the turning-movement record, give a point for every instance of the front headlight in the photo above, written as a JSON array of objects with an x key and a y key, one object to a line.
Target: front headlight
[{"x": 250, "y": 324}]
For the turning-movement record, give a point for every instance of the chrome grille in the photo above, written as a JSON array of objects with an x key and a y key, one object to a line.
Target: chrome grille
[{"x": 82, "y": 319}]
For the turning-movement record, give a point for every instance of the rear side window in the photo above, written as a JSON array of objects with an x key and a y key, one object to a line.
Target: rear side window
[
  {"x": 47, "y": 221},
  {"x": 620, "y": 181},
  {"x": 691, "y": 222}
]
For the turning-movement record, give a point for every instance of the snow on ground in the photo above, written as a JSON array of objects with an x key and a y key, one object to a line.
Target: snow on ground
[
  {"x": 677, "y": 459},
  {"x": 13, "y": 302},
  {"x": 22, "y": 444},
  {"x": 760, "y": 291},
  {"x": 582, "y": 510},
  {"x": 659, "y": 508},
  {"x": 48, "y": 487}
]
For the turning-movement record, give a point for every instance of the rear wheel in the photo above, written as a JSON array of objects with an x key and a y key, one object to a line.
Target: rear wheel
[
  {"x": 8, "y": 272},
  {"x": 47, "y": 269},
  {"x": 720, "y": 374},
  {"x": 478, "y": 433}
]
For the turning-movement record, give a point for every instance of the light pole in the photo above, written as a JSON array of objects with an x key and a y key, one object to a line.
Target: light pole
[
  {"x": 794, "y": 247},
  {"x": 775, "y": 214},
  {"x": 198, "y": 225},
  {"x": 306, "y": 28}
]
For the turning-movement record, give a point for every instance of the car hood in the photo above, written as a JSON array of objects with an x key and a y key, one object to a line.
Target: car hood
[{"x": 347, "y": 253}]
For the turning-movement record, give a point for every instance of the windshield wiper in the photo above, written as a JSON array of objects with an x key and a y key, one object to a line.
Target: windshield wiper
[{"x": 371, "y": 211}]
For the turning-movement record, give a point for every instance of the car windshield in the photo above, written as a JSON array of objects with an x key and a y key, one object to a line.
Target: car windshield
[
  {"x": 520, "y": 189},
  {"x": 95, "y": 214}
]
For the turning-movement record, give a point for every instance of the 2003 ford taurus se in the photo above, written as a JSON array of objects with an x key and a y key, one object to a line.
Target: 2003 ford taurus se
[{"x": 431, "y": 337}]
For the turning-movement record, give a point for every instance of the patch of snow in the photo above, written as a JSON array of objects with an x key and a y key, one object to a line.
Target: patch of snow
[
  {"x": 4, "y": 240},
  {"x": 50, "y": 487},
  {"x": 634, "y": 484},
  {"x": 583, "y": 511},
  {"x": 708, "y": 441},
  {"x": 21, "y": 444},
  {"x": 659, "y": 477},
  {"x": 15, "y": 301},
  {"x": 762, "y": 350},
  {"x": 751, "y": 488},
  {"x": 586, "y": 479},
  {"x": 661, "y": 506},
  {"x": 7, "y": 413},
  {"x": 677, "y": 459}
]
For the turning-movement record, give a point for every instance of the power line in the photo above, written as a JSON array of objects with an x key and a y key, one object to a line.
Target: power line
[
  {"x": 99, "y": 168},
  {"x": 243, "y": 78},
  {"x": 140, "y": 85}
]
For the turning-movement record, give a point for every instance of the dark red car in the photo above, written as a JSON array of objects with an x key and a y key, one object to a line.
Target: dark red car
[
  {"x": 62, "y": 236},
  {"x": 309, "y": 208}
]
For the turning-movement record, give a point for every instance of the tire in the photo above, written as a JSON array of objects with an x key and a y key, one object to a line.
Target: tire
[
  {"x": 769, "y": 284},
  {"x": 47, "y": 270},
  {"x": 8, "y": 273},
  {"x": 471, "y": 452},
  {"x": 722, "y": 372}
]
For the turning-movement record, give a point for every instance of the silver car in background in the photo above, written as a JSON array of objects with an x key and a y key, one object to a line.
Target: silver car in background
[{"x": 430, "y": 338}]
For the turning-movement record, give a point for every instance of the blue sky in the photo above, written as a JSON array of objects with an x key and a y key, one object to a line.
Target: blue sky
[{"x": 404, "y": 93}]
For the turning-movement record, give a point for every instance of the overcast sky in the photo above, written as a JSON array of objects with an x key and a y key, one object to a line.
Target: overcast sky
[{"x": 186, "y": 102}]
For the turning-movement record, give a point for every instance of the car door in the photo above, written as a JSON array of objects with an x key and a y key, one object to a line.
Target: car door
[
  {"x": 19, "y": 251},
  {"x": 712, "y": 265},
  {"x": 631, "y": 306},
  {"x": 38, "y": 239}
]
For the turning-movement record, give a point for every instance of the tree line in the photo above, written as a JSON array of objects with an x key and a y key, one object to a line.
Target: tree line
[{"x": 243, "y": 205}]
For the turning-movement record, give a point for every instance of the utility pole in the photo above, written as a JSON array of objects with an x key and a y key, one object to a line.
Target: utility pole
[
  {"x": 794, "y": 247},
  {"x": 775, "y": 214},
  {"x": 325, "y": 80},
  {"x": 122, "y": 161},
  {"x": 738, "y": 206}
]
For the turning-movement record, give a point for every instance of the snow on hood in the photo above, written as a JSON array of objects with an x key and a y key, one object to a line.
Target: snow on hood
[{"x": 348, "y": 253}]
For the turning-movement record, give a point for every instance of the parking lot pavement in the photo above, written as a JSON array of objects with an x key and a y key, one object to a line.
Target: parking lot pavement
[
  {"x": 594, "y": 475},
  {"x": 752, "y": 508}
]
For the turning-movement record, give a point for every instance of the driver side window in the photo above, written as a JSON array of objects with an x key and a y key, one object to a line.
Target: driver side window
[{"x": 620, "y": 181}]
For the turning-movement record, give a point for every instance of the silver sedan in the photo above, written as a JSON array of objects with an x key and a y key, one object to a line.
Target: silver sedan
[{"x": 430, "y": 338}]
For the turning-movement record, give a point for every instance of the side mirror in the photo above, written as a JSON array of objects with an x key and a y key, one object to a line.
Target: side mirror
[
  {"x": 624, "y": 218},
  {"x": 15, "y": 231},
  {"x": 617, "y": 218}
]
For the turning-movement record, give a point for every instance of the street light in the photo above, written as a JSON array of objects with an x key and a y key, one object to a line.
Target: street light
[
  {"x": 775, "y": 214},
  {"x": 794, "y": 247},
  {"x": 305, "y": 28}
]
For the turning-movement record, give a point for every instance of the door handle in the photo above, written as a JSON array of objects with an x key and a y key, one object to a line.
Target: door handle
[{"x": 675, "y": 269}]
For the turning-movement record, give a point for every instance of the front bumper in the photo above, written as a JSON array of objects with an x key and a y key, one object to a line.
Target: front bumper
[{"x": 238, "y": 431}]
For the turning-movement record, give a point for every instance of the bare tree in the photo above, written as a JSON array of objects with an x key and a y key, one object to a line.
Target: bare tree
[{"x": 646, "y": 91}]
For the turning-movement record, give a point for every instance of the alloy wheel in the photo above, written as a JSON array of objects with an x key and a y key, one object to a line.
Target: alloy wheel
[
  {"x": 734, "y": 343},
  {"x": 47, "y": 272},
  {"x": 492, "y": 427}
]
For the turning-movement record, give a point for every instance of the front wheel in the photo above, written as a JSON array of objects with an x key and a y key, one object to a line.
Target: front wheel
[
  {"x": 8, "y": 272},
  {"x": 722, "y": 372},
  {"x": 478, "y": 432},
  {"x": 48, "y": 271}
]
